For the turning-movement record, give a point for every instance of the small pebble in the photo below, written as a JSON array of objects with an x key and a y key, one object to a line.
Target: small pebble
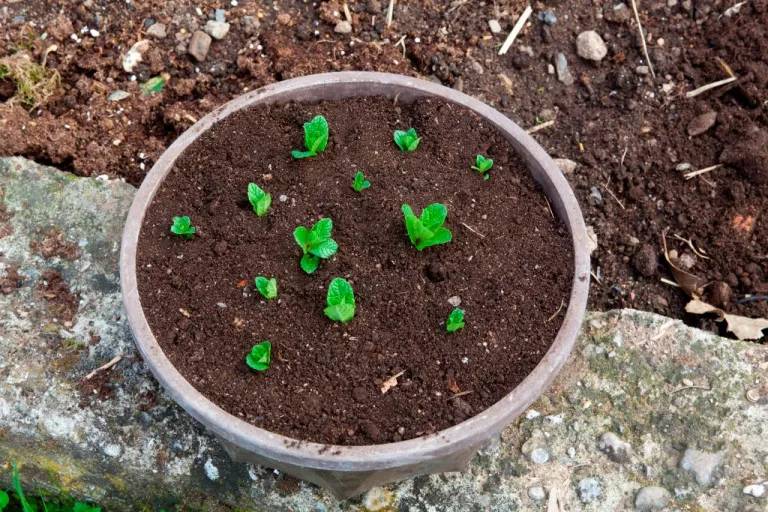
[
  {"x": 589, "y": 489},
  {"x": 217, "y": 29},
  {"x": 495, "y": 26},
  {"x": 642, "y": 70},
  {"x": 539, "y": 456},
  {"x": 343, "y": 27},
  {"x": 282, "y": 198},
  {"x": 548, "y": 17},
  {"x": 561, "y": 66},
  {"x": 700, "y": 124},
  {"x": 652, "y": 498},
  {"x": 756, "y": 490},
  {"x": 615, "y": 447},
  {"x": 566, "y": 166},
  {"x": 199, "y": 44},
  {"x": 590, "y": 46},
  {"x": 454, "y": 301},
  {"x": 537, "y": 493},
  {"x": 220, "y": 15},
  {"x": 157, "y": 30}
]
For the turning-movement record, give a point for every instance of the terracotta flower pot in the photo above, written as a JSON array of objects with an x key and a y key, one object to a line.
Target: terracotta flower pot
[{"x": 350, "y": 470}]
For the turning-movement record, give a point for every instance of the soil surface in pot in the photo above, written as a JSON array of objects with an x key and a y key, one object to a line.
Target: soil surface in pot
[{"x": 510, "y": 264}]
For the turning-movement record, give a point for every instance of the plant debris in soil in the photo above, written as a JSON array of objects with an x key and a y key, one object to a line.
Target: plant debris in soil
[
  {"x": 330, "y": 382},
  {"x": 629, "y": 137}
]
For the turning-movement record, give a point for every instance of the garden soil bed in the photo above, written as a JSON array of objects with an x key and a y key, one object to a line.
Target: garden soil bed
[
  {"x": 626, "y": 130},
  {"x": 510, "y": 263}
]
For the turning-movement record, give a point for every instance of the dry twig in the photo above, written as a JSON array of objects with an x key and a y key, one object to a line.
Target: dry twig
[
  {"x": 541, "y": 126},
  {"x": 112, "y": 362},
  {"x": 713, "y": 85},
  {"x": 390, "y": 12},
  {"x": 693, "y": 174},
  {"x": 516, "y": 30},
  {"x": 562, "y": 303},
  {"x": 642, "y": 39},
  {"x": 473, "y": 230}
]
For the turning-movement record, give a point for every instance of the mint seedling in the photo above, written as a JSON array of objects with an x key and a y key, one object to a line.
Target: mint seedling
[
  {"x": 260, "y": 356},
  {"x": 455, "y": 320},
  {"x": 340, "y": 300},
  {"x": 316, "y": 243},
  {"x": 483, "y": 165},
  {"x": 182, "y": 226},
  {"x": 267, "y": 287},
  {"x": 428, "y": 229},
  {"x": 260, "y": 200},
  {"x": 315, "y": 138},
  {"x": 407, "y": 141},
  {"x": 359, "y": 183}
]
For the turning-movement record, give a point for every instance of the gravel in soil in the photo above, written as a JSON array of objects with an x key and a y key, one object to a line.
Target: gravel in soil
[
  {"x": 632, "y": 135},
  {"x": 509, "y": 265}
]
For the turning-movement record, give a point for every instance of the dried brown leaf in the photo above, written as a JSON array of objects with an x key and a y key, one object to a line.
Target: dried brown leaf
[
  {"x": 742, "y": 327},
  {"x": 691, "y": 284}
]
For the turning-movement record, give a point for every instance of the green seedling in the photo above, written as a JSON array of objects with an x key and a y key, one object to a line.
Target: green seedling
[
  {"x": 428, "y": 229},
  {"x": 155, "y": 85},
  {"x": 483, "y": 165},
  {"x": 182, "y": 226},
  {"x": 35, "y": 504},
  {"x": 407, "y": 141},
  {"x": 4, "y": 500},
  {"x": 455, "y": 320},
  {"x": 267, "y": 287},
  {"x": 260, "y": 200},
  {"x": 340, "y": 300},
  {"x": 26, "y": 506},
  {"x": 315, "y": 138},
  {"x": 359, "y": 183},
  {"x": 316, "y": 243},
  {"x": 260, "y": 356}
]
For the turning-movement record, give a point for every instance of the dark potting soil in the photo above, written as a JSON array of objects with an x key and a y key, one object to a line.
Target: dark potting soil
[{"x": 510, "y": 263}]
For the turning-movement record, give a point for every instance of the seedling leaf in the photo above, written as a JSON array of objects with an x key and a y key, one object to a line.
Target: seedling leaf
[
  {"x": 359, "y": 183},
  {"x": 155, "y": 84},
  {"x": 182, "y": 226},
  {"x": 259, "y": 199},
  {"x": 316, "y": 244},
  {"x": 315, "y": 138},
  {"x": 455, "y": 320},
  {"x": 340, "y": 301},
  {"x": 260, "y": 356},
  {"x": 79, "y": 506},
  {"x": 266, "y": 287},
  {"x": 427, "y": 230},
  {"x": 407, "y": 141},
  {"x": 325, "y": 249},
  {"x": 483, "y": 165},
  {"x": 4, "y": 500}
]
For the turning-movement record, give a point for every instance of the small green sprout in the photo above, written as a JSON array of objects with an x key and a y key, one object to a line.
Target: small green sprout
[
  {"x": 455, "y": 320},
  {"x": 260, "y": 200},
  {"x": 26, "y": 506},
  {"x": 360, "y": 183},
  {"x": 316, "y": 244},
  {"x": 267, "y": 287},
  {"x": 4, "y": 498},
  {"x": 260, "y": 356},
  {"x": 315, "y": 138},
  {"x": 428, "y": 229},
  {"x": 407, "y": 141},
  {"x": 155, "y": 84},
  {"x": 483, "y": 165},
  {"x": 340, "y": 300},
  {"x": 183, "y": 227}
]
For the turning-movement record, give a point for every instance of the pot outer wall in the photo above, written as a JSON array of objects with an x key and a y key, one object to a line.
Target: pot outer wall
[{"x": 351, "y": 470}]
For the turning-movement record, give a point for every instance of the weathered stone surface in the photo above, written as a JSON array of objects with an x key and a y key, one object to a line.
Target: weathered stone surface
[{"x": 118, "y": 439}]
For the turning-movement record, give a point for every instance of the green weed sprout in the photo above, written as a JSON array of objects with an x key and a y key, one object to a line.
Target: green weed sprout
[
  {"x": 315, "y": 138},
  {"x": 267, "y": 287},
  {"x": 340, "y": 300},
  {"x": 359, "y": 183},
  {"x": 260, "y": 356},
  {"x": 407, "y": 141},
  {"x": 260, "y": 200},
  {"x": 455, "y": 320},
  {"x": 427, "y": 230},
  {"x": 316, "y": 243},
  {"x": 483, "y": 165},
  {"x": 183, "y": 227}
]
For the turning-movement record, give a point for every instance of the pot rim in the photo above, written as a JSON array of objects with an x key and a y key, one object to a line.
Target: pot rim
[{"x": 472, "y": 431}]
